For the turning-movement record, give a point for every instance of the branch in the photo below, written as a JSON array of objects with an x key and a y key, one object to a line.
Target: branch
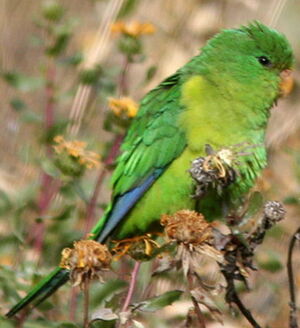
[
  {"x": 292, "y": 304},
  {"x": 232, "y": 297},
  {"x": 195, "y": 303}
]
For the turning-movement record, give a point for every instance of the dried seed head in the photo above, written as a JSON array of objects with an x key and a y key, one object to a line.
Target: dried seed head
[
  {"x": 187, "y": 227},
  {"x": 274, "y": 211},
  {"x": 213, "y": 170},
  {"x": 86, "y": 261}
]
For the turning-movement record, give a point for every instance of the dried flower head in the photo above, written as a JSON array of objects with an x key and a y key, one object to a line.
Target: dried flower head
[
  {"x": 73, "y": 154},
  {"x": 86, "y": 261},
  {"x": 187, "y": 227},
  {"x": 133, "y": 29},
  {"x": 123, "y": 107},
  {"x": 213, "y": 170},
  {"x": 195, "y": 239},
  {"x": 195, "y": 251},
  {"x": 140, "y": 248}
]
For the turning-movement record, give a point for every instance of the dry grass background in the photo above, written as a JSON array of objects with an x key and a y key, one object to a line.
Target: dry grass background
[{"x": 182, "y": 28}]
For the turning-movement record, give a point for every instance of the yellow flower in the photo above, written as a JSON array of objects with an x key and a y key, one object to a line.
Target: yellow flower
[
  {"x": 134, "y": 29},
  {"x": 86, "y": 261},
  {"x": 76, "y": 149},
  {"x": 123, "y": 106}
]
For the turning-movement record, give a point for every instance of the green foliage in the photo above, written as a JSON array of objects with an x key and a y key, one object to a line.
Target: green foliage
[
  {"x": 53, "y": 11},
  {"x": 23, "y": 82},
  {"x": 157, "y": 303},
  {"x": 127, "y": 8}
]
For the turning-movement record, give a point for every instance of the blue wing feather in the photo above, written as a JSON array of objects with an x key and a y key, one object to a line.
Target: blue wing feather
[{"x": 124, "y": 203}]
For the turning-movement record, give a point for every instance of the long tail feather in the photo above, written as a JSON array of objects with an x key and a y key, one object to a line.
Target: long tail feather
[{"x": 44, "y": 288}]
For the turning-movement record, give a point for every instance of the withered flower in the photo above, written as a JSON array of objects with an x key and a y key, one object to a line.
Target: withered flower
[
  {"x": 140, "y": 247},
  {"x": 195, "y": 250},
  {"x": 133, "y": 29},
  {"x": 214, "y": 170},
  {"x": 194, "y": 236},
  {"x": 123, "y": 107},
  {"x": 86, "y": 261},
  {"x": 72, "y": 156}
]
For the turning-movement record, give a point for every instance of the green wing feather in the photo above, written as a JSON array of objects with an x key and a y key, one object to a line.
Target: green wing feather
[{"x": 154, "y": 139}]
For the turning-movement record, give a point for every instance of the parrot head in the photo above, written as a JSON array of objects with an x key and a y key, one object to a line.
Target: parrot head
[{"x": 252, "y": 58}]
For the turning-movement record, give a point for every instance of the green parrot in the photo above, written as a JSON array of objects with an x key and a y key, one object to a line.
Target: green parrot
[{"x": 221, "y": 97}]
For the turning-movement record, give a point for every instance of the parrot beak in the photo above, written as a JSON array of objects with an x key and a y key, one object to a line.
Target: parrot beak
[{"x": 287, "y": 82}]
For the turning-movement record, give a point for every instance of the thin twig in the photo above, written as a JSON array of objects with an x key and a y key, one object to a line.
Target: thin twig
[
  {"x": 73, "y": 303},
  {"x": 198, "y": 311},
  {"x": 86, "y": 295},
  {"x": 131, "y": 287},
  {"x": 232, "y": 297},
  {"x": 293, "y": 306},
  {"x": 49, "y": 186},
  {"x": 123, "y": 82}
]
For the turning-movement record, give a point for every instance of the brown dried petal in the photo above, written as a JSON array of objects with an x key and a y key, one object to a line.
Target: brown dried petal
[
  {"x": 187, "y": 227},
  {"x": 86, "y": 260}
]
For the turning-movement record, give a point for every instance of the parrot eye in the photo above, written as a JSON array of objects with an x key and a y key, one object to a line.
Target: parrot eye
[{"x": 264, "y": 61}]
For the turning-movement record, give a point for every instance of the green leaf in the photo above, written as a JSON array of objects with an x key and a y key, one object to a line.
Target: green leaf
[
  {"x": 73, "y": 60},
  {"x": 292, "y": 200},
  {"x": 156, "y": 303},
  {"x": 270, "y": 262},
  {"x": 130, "y": 46},
  {"x": 5, "y": 323},
  {"x": 102, "y": 324},
  {"x": 57, "y": 129},
  {"x": 127, "y": 8},
  {"x": 62, "y": 38},
  {"x": 66, "y": 214},
  {"x": 17, "y": 104},
  {"x": 31, "y": 117},
  {"x": 106, "y": 290},
  {"x": 23, "y": 82},
  {"x": 5, "y": 202},
  {"x": 67, "y": 325},
  {"x": 53, "y": 11},
  {"x": 49, "y": 167},
  {"x": 90, "y": 76},
  {"x": 150, "y": 73}
]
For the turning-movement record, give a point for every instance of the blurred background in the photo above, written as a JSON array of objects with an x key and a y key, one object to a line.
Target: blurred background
[{"x": 62, "y": 66}]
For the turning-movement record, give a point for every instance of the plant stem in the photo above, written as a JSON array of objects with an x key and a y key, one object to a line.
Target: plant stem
[
  {"x": 73, "y": 303},
  {"x": 293, "y": 307},
  {"x": 232, "y": 297},
  {"x": 195, "y": 303},
  {"x": 131, "y": 287},
  {"x": 48, "y": 187},
  {"x": 123, "y": 84},
  {"x": 86, "y": 295}
]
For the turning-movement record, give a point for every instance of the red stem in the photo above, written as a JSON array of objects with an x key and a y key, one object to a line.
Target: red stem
[
  {"x": 123, "y": 85},
  {"x": 48, "y": 187},
  {"x": 131, "y": 287}
]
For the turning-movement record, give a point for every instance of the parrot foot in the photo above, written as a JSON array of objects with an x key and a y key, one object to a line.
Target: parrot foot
[{"x": 132, "y": 245}]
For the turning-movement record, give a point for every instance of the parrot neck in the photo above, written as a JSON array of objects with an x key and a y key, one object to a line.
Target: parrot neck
[{"x": 219, "y": 117}]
